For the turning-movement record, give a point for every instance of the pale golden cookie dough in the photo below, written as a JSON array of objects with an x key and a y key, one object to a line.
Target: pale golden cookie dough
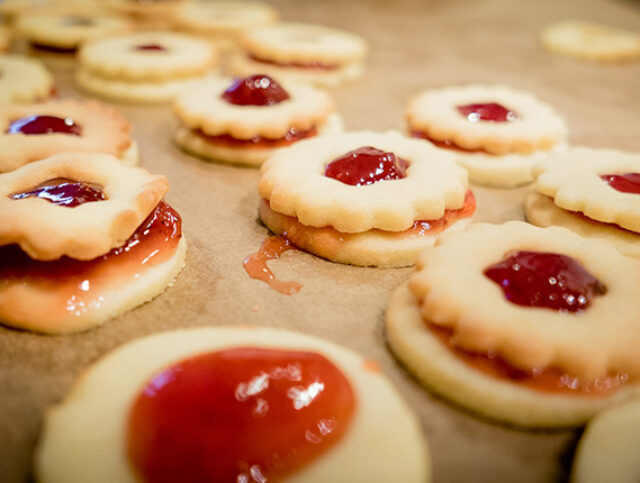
[
  {"x": 5, "y": 39},
  {"x": 67, "y": 452},
  {"x": 23, "y": 79}
]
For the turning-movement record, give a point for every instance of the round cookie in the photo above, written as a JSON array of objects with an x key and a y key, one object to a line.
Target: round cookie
[
  {"x": 23, "y": 79},
  {"x": 363, "y": 453}
]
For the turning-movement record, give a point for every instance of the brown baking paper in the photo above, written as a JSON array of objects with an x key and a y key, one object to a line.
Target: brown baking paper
[{"x": 414, "y": 45}]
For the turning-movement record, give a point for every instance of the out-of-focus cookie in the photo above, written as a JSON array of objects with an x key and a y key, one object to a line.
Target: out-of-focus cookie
[
  {"x": 364, "y": 198},
  {"x": 148, "y": 67},
  {"x": 244, "y": 121},
  {"x": 528, "y": 326},
  {"x": 302, "y": 52},
  {"x": 83, "y": 239},
  {"x": 5, "y": 39},
  {"x": 24, "y": 79},
  {"x": 147, "y": 14},
  {"x": 591, "y": 41},
  {"x": 495, "y": 132},
  {"x": 233, "y": 389}
]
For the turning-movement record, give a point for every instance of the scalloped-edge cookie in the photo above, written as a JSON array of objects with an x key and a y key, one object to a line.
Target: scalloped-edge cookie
[
  {"x": 29, "y": 132},
  {"x": 482, "y": 385},
  {"x": 363, "y": 452},
  {"x": 608, "y": 449},
  {"x": 591, "y": 41},
  {"x": 576, "y": 182},
  {"x": 24, "y": 79},
  {"x": 579, "y": 318}
]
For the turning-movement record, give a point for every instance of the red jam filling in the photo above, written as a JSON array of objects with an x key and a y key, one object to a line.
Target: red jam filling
[
  {"x": 365, "y": 166},
  {"x": 63, "y": 192},
  {"x": 294, "y": 134},
  {"x": 151, "y": 48},
  {"x": 44, "y": 125},
  {"x": 626, "y": 183},
  {"x": 433, "y": 227},
  {"x": 549, "y": 280},
  {"x": 238, "y": 415},
  {"x": 297, "y": 65},
  {"x": 490, "y": 111},
  {"x": 256, "y": 90}
]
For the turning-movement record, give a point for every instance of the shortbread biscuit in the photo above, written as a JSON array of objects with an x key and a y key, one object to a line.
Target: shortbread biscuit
[
  {"x": 96, "y": 128},
  {"x": 608, "y": 449},
  {"x": 574, "y": 181},
  {"x": 364, "y": 451},
  {"x": 23, "y": 79},
  {"x": 591, "y": 41},
  {"x": 454, "y": 294},
  {"x": 451, "y": 373}
]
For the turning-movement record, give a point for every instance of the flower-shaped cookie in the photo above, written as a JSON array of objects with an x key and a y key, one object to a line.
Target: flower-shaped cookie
[
  {"x": 302, "y": 52},
  {"x": 245, "y": 120},
  {"x": 235, "y": 387},
  {"x": 23, "y": 79},
  {"x": 29, "y": 132},
  {"x": 496, "y": 132},
  {"x": 363, "y": 198}
]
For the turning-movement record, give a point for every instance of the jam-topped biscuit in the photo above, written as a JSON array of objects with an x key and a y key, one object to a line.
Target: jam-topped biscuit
[
  {"x": 152, "y": 67},
  {"x": 363, "y": 198},
  {"x": 302, "y": 52},
  {"x": 23, "y": 79},
  {"x": 495, "y": 132},
  {"x": 83, "y": 239},
  {"x": 29, "y": 132},
  {"x": 279, "y": 405},
  {"x": 530, "y": 326},
  {"x": 245, "y": 120}
]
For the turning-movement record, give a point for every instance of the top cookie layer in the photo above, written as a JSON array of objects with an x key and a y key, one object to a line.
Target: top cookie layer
[
  {"x": 435, "y": 113},
  {"x": 23, "y": 79},
  {"x": 226, "y": 18},
  {"x": 293, "y": 181}
]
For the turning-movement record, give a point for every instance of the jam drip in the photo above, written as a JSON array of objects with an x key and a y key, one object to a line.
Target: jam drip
[
  {"x": 238, "y": 415},
  {"x": 256, "y": 264},
  {"x": 490, "y": 111},
  {"x": 151, "y": 48},
  {"x": 549, "y": 280},
  {"x": 297, "y": 65},
  {"x": 365, "y": 166},
  {"x": 63, "y": 192},
  {"x": 44, "y": 125},
  {"x": 256, "y": 90},
  {"x": 293, "y": 134},
  {"x": 626, "y": 183}
]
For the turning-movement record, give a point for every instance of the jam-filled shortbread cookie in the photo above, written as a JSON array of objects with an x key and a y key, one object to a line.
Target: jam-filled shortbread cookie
[
  {"x": 271, "y": 405},
  {"x": 245, "y": 120},
  {"x": 23, "y": 79},
  {"x": 591, "y": 41},
  {"x": 594, "y": 192},
  {"x": 148, "y": 67},
  {"x": 302, "y": 52},
  {"x": 496, "y": 133},
  {"x": 83, "y": 238},
  {"x": 525, "y": 325},
  {"x": 30, "y": 132},
  {"x": 609, "y": 447},
  {"x": 364, "y": 198}
]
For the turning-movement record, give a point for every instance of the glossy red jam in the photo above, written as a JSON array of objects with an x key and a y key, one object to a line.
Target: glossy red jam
[
  {"x": 63, "y": 192},
  {"x": 256, "y": 264},
  {"x": 151, "y": 48},
  {"x": 256, "y": 90},
  {"x": 490, "y": 111},
  {"x": 238, "y": 415},
  {"x": 297, "y": 65},
  {"x": 549, "y": 280},
  {"x": 293, "y": 135},
  {"x": 44, "y": 125},
  {"x": 626, "y": 183},
  {"x": 365, "y": 166}
]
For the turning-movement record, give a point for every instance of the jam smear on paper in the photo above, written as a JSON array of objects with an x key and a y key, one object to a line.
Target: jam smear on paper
[{"x": 256, "y": 264}]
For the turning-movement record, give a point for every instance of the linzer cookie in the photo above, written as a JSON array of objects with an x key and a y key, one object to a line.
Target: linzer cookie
[
  {"x": 364, "y": 198},
  {"x": 496, "y": 133},
  {"x": 524, "y": 325},
  {"x": 227, "y": 392},
  {"x": 23, "y": 79},
  {"x": 30, "y": 132},
  {"x": 594, "y": 192},
  {"x": 148, "y": 67},
  {"x": 591, "y": 41},
  {"x": 302, "y": 52},
  {"x": 83, "y": 239},
  {"x": 245, "y": 120}
]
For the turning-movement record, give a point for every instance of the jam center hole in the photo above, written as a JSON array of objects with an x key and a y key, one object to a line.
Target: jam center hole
[
  {"x": 625, "y": 183},
  {"x": 44, "y": 124},
  {"x": 549, "y": 280},
  {"x": 63, "y": 192},
  {"x": 365, "y": 166},
  {"x": 490, "y": 111},
  {"x": 151, "y": 48},
  {"x": 255, "y": 90}
]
